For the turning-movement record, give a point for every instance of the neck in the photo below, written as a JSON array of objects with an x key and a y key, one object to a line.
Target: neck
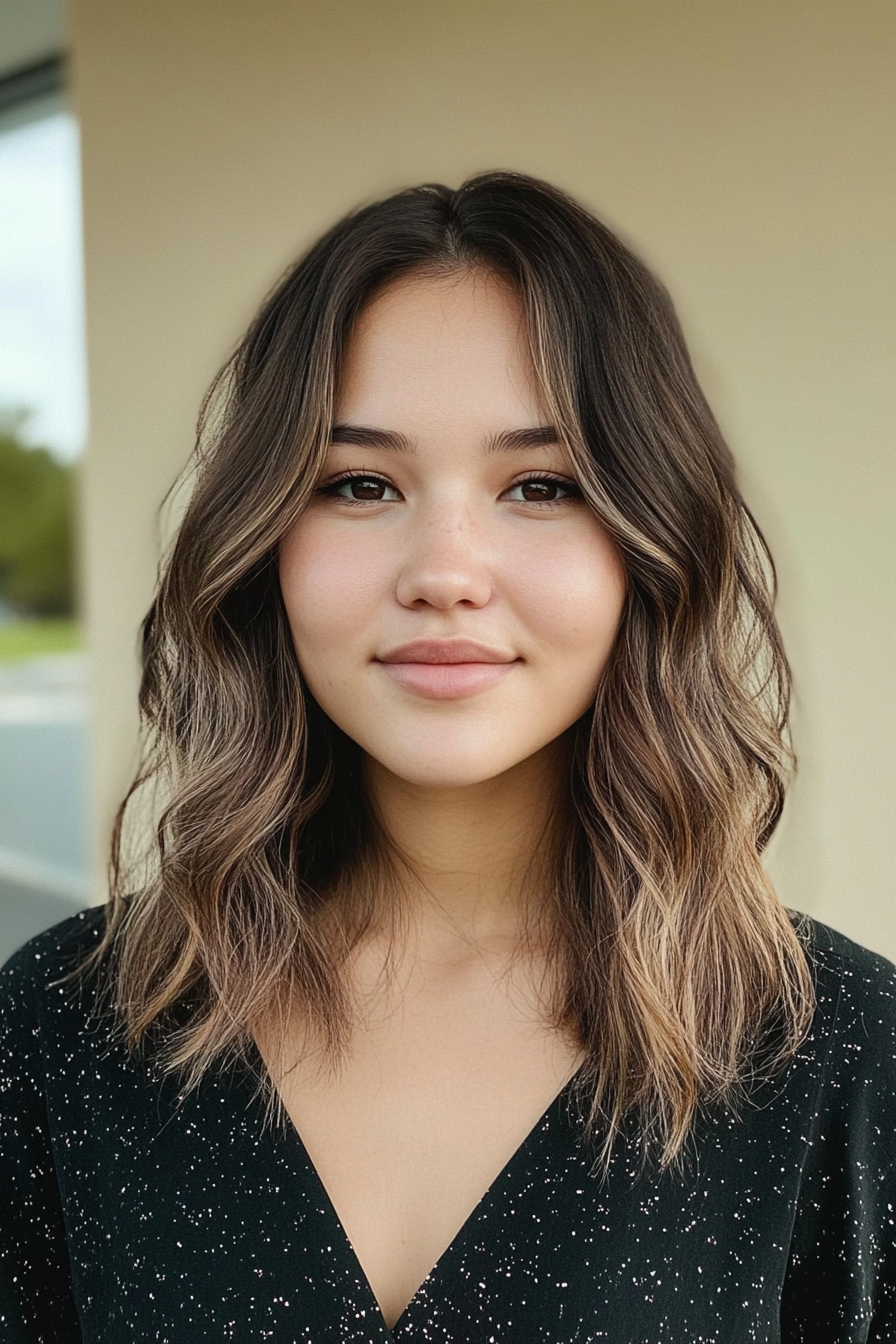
[{"x": 476, "y": 851}]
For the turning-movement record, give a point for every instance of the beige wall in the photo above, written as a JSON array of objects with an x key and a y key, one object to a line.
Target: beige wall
[{"x": 742, "y": 147}]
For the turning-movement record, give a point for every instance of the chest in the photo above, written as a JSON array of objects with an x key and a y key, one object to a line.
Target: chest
[
  {"x": 437, "y": 1092},
  {"x": 188, "y": 1218}
]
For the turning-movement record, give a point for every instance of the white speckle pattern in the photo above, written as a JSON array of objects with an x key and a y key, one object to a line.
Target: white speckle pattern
[{"x": 129, "y": 1213}]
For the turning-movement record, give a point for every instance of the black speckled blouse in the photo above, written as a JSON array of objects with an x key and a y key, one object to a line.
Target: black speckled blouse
[{"x": 128, "y": 1214}]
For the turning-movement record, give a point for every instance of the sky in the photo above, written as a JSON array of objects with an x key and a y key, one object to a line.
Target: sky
[{"x": 42, "y": 357}]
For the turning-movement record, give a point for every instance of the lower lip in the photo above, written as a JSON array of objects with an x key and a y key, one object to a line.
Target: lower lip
[{"x": 446, "y": 681}]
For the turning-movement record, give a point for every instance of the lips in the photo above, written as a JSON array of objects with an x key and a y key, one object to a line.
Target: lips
[
  {"x": 445, "y": 651},
  {"x": 446, "y": 669}
]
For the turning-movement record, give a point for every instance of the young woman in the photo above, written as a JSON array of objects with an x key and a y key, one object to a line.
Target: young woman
[{"x": 454, "y": 1003}]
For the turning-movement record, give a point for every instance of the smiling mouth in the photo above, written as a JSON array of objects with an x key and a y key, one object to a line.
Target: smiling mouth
[{"x": 449, "y": 680}]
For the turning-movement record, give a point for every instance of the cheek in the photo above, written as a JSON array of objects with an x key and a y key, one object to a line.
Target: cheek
[
  {"x": 331, "y": 589},
  {"x": 573, "y": 591}
]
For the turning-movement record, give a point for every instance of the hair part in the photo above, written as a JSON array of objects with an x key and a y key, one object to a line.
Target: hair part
[{"x": 678, "y": 969}]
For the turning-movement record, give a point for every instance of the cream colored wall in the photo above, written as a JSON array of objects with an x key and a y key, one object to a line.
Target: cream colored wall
[{"x": 743, "y": 148}]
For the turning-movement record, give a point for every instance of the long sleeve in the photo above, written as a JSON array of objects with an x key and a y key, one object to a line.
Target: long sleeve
[
  {"x": 841, "y": 1282},
  {"x": 36, "y": 1302}
]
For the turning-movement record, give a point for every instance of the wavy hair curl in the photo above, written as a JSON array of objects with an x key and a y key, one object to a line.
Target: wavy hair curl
[{"x": 678, "y": 967}]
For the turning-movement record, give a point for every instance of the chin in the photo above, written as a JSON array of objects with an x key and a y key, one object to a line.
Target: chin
[{"x": 450, "y": 769}]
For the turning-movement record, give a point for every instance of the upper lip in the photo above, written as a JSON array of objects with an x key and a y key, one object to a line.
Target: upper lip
[{"x": 445, "y": 651}]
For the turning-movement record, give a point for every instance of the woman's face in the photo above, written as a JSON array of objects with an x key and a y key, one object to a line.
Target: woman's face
[{"x": 452, "y": 599}]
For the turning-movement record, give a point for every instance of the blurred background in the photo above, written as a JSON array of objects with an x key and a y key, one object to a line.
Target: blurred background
[
  {"x": 44, "y": 778},
  {"x": 188, "y": 152}
]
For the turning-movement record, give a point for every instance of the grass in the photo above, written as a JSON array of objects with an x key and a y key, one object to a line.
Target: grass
[{"x": 29, "y": 639}]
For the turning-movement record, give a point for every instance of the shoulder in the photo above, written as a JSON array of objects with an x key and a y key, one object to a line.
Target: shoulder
[
  {"x": 858, "y": 978},
  {"x": 29, "y": 982},
  {"x": 57, "y": 949},
  {"x": 854, "y": 1031}
]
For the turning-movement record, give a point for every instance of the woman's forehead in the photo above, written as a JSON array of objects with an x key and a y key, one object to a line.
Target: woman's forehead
[{"x": 440, "y": 346}]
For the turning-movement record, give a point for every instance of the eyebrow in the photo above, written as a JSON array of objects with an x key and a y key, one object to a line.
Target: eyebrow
[{"x": 389, "y": 440}]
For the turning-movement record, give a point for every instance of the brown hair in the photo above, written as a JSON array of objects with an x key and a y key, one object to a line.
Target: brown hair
[{"x": 677, "y": 961}]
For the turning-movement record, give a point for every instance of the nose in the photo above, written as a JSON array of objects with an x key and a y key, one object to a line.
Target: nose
[{"x": 446, "y": 563}]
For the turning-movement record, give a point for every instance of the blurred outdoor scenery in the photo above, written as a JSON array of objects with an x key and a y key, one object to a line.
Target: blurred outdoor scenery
[{"x": 43, "y": 703}]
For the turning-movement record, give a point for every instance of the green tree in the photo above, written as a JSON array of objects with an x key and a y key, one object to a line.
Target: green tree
[{"x": 36, "y": 527}]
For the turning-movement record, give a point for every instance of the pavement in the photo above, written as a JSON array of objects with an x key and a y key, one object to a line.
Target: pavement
[{"x": 44, "y": 865}]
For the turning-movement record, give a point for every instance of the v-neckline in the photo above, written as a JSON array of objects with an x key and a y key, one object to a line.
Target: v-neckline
[{"x": 521, "y": 1150}]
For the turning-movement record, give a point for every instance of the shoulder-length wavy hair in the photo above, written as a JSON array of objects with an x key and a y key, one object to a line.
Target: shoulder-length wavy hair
[{"x": 675, "y": 960}]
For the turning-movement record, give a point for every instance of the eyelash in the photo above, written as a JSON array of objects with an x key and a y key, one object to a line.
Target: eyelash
[{"x": 332, "y": 487}]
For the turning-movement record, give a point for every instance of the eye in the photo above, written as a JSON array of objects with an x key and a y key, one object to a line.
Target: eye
[
  {"x": 544, "y": 489},
  {"x": 360, "y": 487},
  {"x": 364, "y": 487}
]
